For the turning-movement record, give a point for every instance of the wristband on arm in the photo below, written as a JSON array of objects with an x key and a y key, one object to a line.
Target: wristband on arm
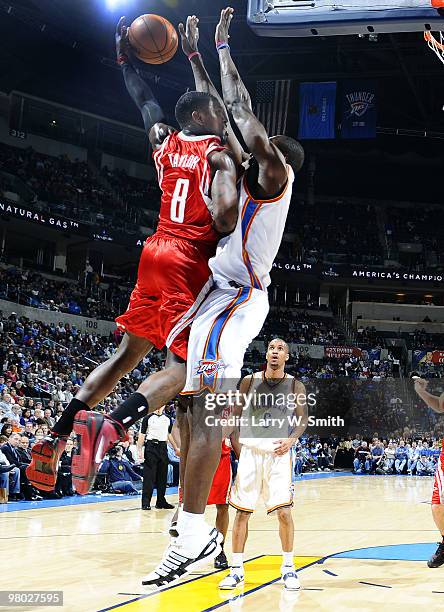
[
  {"x": 222, "y": 45},
  {"x": 193, "y": 54}
]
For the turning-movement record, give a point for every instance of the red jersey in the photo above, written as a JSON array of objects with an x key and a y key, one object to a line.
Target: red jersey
[{"x": 184, "y": 178}]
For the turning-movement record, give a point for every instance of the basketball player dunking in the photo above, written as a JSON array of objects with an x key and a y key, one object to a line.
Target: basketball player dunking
[
  {"x": 234, "y": 312},
  {"x": 436, "y": 403},
  {"x": 265, "y": 466},
  {"x": 195, "y": 173}
]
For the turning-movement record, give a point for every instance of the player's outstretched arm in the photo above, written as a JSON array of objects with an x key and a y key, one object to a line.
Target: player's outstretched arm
[
  {"x": 224, "y": 194},
  {"x": 237, "y": 100},
  {"x": 233, "y": 87},
  {"x": 435, "y": 402},
  {"x": 139, "y": 90},
  {"x": 190, "y": 37}
]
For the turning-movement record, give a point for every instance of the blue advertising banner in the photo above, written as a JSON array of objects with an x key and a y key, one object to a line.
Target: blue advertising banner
[
  {"x": 317, "y": 104},
  {"x": 358, "y": 104}
]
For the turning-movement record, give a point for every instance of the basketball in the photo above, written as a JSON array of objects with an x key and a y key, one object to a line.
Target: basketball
[{"x": 153, "y": 39}]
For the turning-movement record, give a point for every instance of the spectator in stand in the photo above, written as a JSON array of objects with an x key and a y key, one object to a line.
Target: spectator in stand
[
  {"x": 49, "y": 418},
  {"x": 29, "y": 431},
  {"x": 23, "y": 450},
  {"x": 6, "y": 430},
  {"x": 401, "y": 457},
  {"x": 413, "y": 457},
  {"x": 298, "y": 460},
  {"x": 362, "y": 458},
  {"x": 10, "y": 450},
  {"x": 389, "y": 460},
  {"x": 120, "y": 473},
  {"x": 377, "y": 454},
  {"x": 325, "y": 461},
  {"x": 6, "y": 404},
  {"x": 423, "y": 465},
  {"x": 9, "y": 480}
]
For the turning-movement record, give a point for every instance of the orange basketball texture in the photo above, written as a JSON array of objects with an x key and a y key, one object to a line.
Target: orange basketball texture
[{"x": 153, "y": 39}]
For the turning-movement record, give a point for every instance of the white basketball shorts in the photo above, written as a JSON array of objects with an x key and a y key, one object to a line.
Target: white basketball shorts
[
  {"x": 261, "y": 474},
  {"x": 227, "y": 321}
]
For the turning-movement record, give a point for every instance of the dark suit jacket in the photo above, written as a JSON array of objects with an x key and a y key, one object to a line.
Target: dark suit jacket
[
  {"x": 13, "y": 458},
  {"x": 24, "y": 455}
]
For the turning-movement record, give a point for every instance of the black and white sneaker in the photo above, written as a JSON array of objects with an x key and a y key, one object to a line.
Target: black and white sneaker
[
  {"x": 176, "y": 564},
  {"x": 221, "y": 562},
  {"x": 437, "y": 559}
]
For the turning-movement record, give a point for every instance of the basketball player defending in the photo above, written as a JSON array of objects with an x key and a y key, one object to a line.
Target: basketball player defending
[
  {"x": 436, "y": 403},
  {"x": 234, "y": 312},
  {"x": 195, "y": 173},
  {"x": 265, "y": 466}
]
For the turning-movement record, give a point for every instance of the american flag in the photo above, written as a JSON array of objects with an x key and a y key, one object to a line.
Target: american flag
[{"x": 272, "y": 99}]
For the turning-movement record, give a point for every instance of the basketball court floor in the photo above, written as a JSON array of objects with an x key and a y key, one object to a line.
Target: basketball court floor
[{"x": 361, "y": 543}]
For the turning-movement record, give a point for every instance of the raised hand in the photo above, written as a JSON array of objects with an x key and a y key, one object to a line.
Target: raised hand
[
  {"x": 189, "y": 35},
  {"x": 122, "y": 43},
  {"x": 223, "y": 27}
]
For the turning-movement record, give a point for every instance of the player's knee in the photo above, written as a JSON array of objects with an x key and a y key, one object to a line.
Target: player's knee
[
  {"x": 284, "y": 516},
  {"x": 242, "y": 516}
]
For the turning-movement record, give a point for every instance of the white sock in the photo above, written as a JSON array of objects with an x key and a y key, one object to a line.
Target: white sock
[
  {"x": 237, "y": 561},
  {"x": 287, "y": 559},
  {"x": 189, "y": 523}
]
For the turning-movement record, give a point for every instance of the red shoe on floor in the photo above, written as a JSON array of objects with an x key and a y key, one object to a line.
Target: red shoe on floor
[
  {"x": 42, "y": 471},
  {"x": 96, "y": 434}
]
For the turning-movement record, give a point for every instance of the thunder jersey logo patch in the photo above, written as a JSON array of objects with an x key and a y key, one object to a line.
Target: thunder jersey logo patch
[{"x": 210, "y": 367}]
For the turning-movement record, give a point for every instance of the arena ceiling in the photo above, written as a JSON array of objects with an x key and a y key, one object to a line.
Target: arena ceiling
[{"x": 64, "y": 49}]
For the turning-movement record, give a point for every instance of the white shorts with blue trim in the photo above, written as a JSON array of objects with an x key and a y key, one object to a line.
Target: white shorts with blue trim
[{"x": 228, "y": 320}]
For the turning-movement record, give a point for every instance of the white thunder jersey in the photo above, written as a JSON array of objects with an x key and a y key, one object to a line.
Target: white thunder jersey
[
  {"x": 246, "y": 256},
  {"x": 269, "y": 403},
  {"x": 233, "y": 313}
]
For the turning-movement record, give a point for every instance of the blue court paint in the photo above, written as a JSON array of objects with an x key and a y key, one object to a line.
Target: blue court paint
[
  {"x": 77, "y": 500},
  {"x": 317, "y": 475},
  {"x": 329, "y": 573},
  {"x": 395, "y": 552},
  {"x": 382, "y": 586}
]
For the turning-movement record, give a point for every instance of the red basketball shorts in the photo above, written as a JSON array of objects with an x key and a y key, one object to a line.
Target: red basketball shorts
[
  {"x": 220, "y": 487},
  {"x": 172, "y": 272},
  {"x": 438, "y": 486}
]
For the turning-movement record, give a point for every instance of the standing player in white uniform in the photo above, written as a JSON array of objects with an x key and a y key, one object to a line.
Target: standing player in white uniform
[
  {"x": 235, "y": 310},
  {"x": 265, "y": 466}
]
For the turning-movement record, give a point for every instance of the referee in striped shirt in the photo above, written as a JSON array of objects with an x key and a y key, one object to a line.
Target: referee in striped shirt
[{"x": 154, "y": 434}]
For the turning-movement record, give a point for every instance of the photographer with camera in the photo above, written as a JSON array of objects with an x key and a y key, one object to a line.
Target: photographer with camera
[{"x": 120, "y": 473}]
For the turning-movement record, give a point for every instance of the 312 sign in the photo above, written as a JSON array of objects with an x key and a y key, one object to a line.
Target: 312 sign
[{"x": 17, "y": 134}]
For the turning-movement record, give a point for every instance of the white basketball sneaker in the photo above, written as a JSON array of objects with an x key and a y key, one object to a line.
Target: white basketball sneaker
[
  {"x": 234, "y": 579},
  {"x": 179, "y": 561},
  {"x": 290, "y": 578}
]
